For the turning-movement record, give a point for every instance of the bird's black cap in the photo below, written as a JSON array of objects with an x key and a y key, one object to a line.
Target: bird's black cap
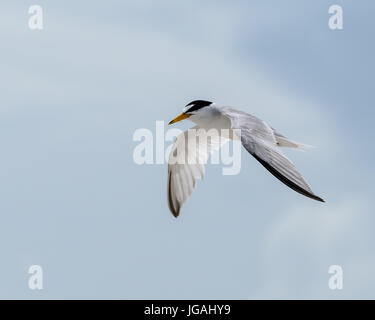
[{"x": 197, "y": 104}]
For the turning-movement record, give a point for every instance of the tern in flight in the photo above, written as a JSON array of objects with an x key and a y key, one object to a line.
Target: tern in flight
[{"x": 258, "y": 138}]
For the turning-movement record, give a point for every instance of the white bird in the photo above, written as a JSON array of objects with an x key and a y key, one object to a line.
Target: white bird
[{"x": 258, "y": 138}]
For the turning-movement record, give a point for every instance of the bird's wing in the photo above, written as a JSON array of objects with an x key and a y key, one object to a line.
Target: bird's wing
[
  {"x": 259, "y": 140},
  {"x": 186, "y": 163}
]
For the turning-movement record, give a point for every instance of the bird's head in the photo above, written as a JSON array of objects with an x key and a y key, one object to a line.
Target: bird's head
[{"x": 194, "y": 110}]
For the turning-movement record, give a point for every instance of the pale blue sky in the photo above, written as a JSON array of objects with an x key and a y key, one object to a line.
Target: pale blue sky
[{"x": 74, "y": 202}]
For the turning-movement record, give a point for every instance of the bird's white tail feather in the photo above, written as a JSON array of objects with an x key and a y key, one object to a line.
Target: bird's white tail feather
[{"x": 284, "y": 142}]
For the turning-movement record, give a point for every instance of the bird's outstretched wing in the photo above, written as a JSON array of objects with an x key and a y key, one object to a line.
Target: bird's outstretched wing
[
  {"x": 260, "y": 140},
  {"x": 186, "y": 164}
]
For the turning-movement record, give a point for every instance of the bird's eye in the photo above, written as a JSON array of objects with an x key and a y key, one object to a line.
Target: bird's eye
[{"x": 189, "y": 110}]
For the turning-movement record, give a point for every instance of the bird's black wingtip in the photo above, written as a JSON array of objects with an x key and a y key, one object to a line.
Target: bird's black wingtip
[
  {"x": 317, "y": 198},
  {"x": 176, "y": 214},
  {"x": 175, "y": 211},
  {"x": 286, "y": 180}
]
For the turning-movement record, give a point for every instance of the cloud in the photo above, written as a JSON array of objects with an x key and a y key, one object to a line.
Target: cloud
[{"x": 301, "y": 245}]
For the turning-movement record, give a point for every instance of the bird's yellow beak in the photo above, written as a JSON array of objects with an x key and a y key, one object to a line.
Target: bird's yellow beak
[{"x": 182, "y": 116}]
